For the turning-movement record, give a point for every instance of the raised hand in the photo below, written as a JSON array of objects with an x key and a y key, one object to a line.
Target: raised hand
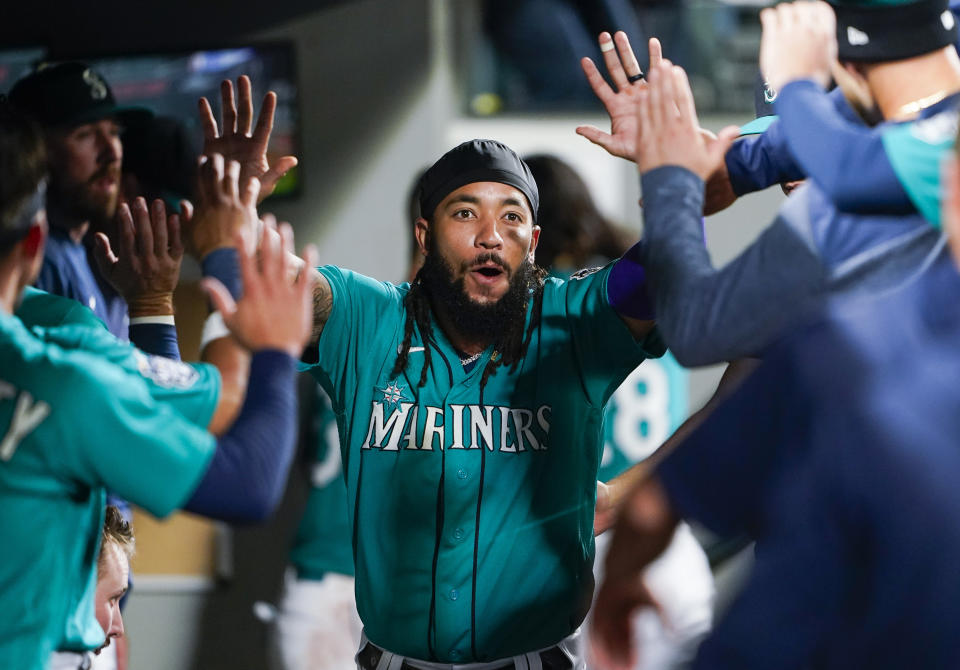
[
  {"x": 150, "y": 251},
  {"x": 799, "y": 41},
  {"x": 668, "y": 130},
  {"x": 234, "y": 139},
  {"x": 273, "y": 312},
  {"x": 224, "y": 208},
  {"x": 621, "y": 105}
]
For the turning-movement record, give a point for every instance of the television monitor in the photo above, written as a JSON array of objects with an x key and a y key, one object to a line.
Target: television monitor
[
  {"x": 170, "y": 84},
  {"x": 15, "y": 63}
]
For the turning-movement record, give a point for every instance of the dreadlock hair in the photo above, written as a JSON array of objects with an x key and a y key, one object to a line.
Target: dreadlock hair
[{"x": 510, "y": 345}]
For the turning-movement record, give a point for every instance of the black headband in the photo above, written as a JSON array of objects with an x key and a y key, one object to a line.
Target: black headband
[
  {"x": 879, "y": 33},
  {"x": 473, "y": 161}
]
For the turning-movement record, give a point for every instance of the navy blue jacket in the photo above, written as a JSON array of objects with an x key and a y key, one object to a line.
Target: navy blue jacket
[{"x": 840, "y": 456}]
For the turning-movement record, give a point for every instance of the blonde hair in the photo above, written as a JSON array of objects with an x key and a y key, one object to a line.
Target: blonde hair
[{"x": 116, "y": 531}]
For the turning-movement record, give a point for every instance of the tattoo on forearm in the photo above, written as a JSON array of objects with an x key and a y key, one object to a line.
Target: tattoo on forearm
[{"x": 322, "y": 305}]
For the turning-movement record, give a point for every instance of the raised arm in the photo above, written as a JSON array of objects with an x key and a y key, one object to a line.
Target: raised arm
[
  {"x": 797, "y": 53},
  {"x": 707, "y": 315},
  {"x": 272, "y": 320}
]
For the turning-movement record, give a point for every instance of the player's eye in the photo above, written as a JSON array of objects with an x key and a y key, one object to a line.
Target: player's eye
[
  {"x": 514, "y": 217},
  {"x": 463, "y": 214}
]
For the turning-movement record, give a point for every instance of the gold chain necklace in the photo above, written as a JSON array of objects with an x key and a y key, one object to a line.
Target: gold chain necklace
[{"x": 917, "y": 106}]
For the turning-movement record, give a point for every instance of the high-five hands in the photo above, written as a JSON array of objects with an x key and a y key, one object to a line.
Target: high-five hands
[
  {"x": 226, "y": 207},
  {"x": 621, "y": 105},
  {"x": 234, "y": 139},
  {"x": 668, "y": 132},
  {"x": 147, "y": 268},
  {"x": 799, "y": 41},
  {"x": 273, "y": 312}
]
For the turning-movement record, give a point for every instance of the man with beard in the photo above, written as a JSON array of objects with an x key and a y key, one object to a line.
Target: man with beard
[
  {"x": 82, "y": 125},
  {"x": 469, "y": 405}
]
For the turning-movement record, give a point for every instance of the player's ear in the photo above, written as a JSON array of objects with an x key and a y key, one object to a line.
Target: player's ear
[
  {"x": 534, "y": 238},
  {"x": 421, "y": 229}
]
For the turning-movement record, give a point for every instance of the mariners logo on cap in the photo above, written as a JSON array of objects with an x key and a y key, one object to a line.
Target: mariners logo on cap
[
  {"x": 98, "y": 87},
  {"x": 769, "y": 93}
]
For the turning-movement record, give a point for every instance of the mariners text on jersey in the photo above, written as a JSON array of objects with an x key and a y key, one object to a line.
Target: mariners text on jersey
[{"x": 505, "y": 429}]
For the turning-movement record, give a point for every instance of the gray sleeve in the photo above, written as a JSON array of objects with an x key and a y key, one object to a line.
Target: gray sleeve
[{"x": 707, "y": 315}]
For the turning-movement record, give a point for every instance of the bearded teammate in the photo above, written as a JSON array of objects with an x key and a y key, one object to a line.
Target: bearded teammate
[
  {"x": 469, "y": 405},
  {"x": 52, "y": 476}
]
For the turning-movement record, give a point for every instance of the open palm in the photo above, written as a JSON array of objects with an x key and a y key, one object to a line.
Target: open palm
[
  {"x": 235, "y": 141},
  {"x": 620, "y": 104}
]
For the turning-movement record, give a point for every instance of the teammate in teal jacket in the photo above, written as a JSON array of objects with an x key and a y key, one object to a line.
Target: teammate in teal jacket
[{"x": 78, "y": 416}]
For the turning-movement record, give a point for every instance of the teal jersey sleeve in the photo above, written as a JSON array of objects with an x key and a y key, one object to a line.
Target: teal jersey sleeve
[
  {"x": 39, "y": 308},
  {"x": 363, "y": 310},
  {"x": 604, "y": 348},
  {"x": 192, "y": 389},
  {"x": 915, "y": 151},
  {"x": 119, "y": 435},
  {"x": 72, "y": 425}
]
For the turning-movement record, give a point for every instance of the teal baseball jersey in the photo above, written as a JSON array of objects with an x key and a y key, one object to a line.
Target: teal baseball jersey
[
  {"x": 472, "y": 508},
  {"x": 915, "y": 151},
  {"x": 73, "y": 425},
  {"x": 322, "y": 542},
  {"x": 193, "y": 389},
  {"x": 645, "y": 410},
  {"x": 39, "y": 308}
]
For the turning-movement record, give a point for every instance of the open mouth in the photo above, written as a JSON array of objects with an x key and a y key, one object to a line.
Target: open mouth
[{"x": 487, "y": 274}]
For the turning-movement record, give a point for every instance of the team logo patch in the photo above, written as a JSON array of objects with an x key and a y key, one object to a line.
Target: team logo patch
[
  {"x": 98, "y": 87},
  {"x": 586, "y": 272},
  {"x": 166, "y": 372},
  {"x": 769, "y": 93},
  {"x": 393, "y": 393}
]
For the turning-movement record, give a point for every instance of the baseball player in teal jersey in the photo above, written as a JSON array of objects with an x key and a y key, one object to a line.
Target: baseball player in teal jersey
[
  {"x": 317, "y": 625},
  {"x": 67, "y": 414},
  {"x": 193, "y": 389},
  {"x": 470, "y": 411}
]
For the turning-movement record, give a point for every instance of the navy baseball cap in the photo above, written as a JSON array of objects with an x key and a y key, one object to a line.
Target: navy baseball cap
[
  {"x": 873, "y": 31},
  {"x": 473, "y": 161},
  {"x": 68, "y": 94}
]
